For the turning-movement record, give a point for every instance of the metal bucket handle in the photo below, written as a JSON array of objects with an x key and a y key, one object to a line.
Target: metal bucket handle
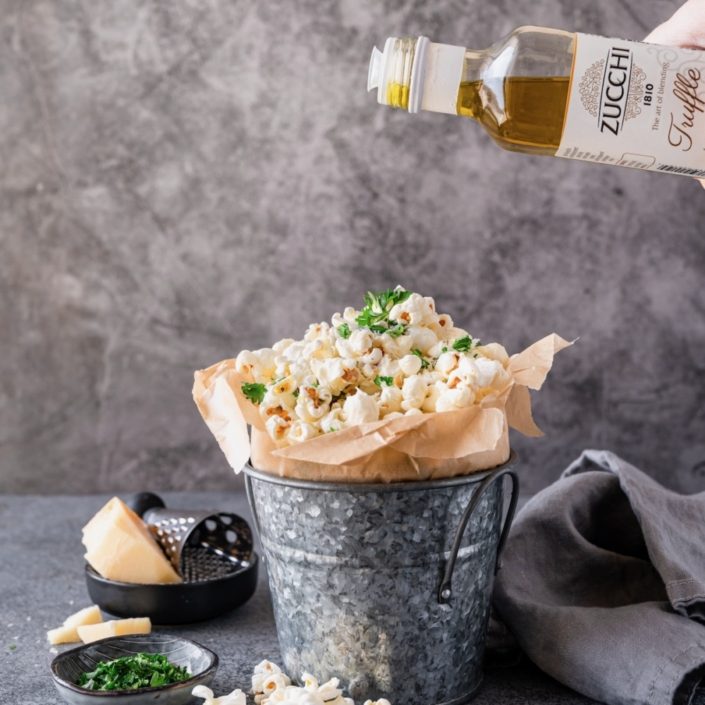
[
  {"x": 253, "y": 508},
  {"x": 445, "y": 591}
]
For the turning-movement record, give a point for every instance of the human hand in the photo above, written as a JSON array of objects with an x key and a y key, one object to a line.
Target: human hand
[{"x": 685, "y": 29}]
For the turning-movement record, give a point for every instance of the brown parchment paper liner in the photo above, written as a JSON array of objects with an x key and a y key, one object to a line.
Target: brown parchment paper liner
[{"x": 421, "y": 447}]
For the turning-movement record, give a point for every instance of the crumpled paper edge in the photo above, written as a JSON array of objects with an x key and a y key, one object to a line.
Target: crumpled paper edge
[{"x": 412, "y": 447}]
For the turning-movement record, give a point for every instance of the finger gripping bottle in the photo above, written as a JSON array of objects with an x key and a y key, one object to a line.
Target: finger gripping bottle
[{"x": 551, "y": 92}]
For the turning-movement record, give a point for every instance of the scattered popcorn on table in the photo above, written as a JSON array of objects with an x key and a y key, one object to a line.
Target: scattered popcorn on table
[
  {"x": 272, "y": 687},
  {"x": 237, "y": 697},
  {"x": 397, "y": 356},
  {"x": 267, "y": 678}
]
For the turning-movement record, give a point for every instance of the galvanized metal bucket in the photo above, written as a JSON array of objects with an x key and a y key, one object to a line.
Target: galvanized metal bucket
[{"x": 385, "y": 586}]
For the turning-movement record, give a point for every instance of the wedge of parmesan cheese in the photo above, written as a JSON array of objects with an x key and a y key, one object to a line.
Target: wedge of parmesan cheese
[
  {"x": 67, "y": 633},
  {"x": 120, "y": 547},
  {"x": 62, "y": 635},
  {"x": 114, "y": 627}
]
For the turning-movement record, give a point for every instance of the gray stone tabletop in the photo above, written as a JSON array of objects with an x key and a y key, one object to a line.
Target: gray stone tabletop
[{"x": 41, "y": 583}]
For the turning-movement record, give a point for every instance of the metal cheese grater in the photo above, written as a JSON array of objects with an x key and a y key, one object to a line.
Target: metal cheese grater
[
  {"x": 201, "y": 545},
  {"x": 212, "y": 552}
]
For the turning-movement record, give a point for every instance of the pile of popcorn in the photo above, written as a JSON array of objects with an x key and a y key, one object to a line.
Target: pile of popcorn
[
  {"x": 270, "y": 686},
  {"x": 396, "y": 356}
]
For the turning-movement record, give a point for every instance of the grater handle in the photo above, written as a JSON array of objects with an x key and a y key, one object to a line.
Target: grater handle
[
  {"x": 445, "y": 591},
  {"x": 142, "y": 502}
]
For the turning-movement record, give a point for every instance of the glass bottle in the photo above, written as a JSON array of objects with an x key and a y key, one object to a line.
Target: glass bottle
[{"x": 551, "y": 92}]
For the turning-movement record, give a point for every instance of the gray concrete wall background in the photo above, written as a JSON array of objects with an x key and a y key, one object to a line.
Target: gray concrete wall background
[{"x": 182, "y": 180}]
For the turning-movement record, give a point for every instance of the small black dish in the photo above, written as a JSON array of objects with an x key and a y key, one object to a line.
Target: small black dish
[
  {"x": 67, "y": 667},
  {"x": 175, "y": 603}
]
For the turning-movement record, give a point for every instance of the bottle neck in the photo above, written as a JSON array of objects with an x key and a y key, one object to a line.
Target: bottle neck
[
  {"x": 469, "y": 101},
  {"x": 473, "y": 65},
  {"x": 416, "y": 74}
]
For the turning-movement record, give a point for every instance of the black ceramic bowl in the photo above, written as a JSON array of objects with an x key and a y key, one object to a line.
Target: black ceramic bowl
[
  {"x": 177, "y": 603},
  {"x": 67, "y": 667}
]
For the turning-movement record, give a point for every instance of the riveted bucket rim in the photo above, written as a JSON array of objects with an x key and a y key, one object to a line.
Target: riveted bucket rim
[{"x": 406, "y": 486}]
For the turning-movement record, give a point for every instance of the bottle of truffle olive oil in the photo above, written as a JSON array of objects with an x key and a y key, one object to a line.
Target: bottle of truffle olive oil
[{"x": 547, "y": 91}]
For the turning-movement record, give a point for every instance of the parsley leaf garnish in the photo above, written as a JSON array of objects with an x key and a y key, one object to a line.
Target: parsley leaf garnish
[
  {"x": 377, "y": 328},
  {"x": 375, "y": 314},
  {"x": 383, "y": 380},
  {"x": 465, "y": 344},
  {"x": 344, "y": 330},
  {"x": 385, "y": 300},
  {"x": 396, "y": 330},
  {"x": 424, "y": 362},
  {"x": 254, "y": 391}
]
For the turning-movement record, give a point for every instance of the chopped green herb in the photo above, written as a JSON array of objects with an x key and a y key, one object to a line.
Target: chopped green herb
[
  {"x": 296, "y": 393},
  {"x": 465, "y": 344},
  {"x": 377, "y": 328},
  {"x": 444, "y": 349},
  {"x": 383, "y": 380},
  {"x": 375, "y": 314},
  {"x": 12, "y": 647},
  {"x": 344, "y": 330},
  {"x": 131, "y": 672},
  {"x": 254, "y": 391},
  {"x": 424, "y": 362},
  {"x": 385, "y": 300},
  {"x": 396, "y": 330}
]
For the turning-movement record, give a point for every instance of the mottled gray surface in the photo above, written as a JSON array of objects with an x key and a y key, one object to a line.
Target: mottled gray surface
[
  {"x": 41, "y": 543},
  {"x": 355, "y": 576},
  {"x": 182, "y": 180}
]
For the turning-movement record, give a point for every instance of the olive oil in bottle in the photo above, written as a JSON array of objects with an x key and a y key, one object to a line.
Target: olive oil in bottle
[
  {"x": 551, "y": 92},
  {"x": 533, "y": 113}
]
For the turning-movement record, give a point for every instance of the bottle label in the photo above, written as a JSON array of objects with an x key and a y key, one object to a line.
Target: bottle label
[{"x": 636, "y": 105}]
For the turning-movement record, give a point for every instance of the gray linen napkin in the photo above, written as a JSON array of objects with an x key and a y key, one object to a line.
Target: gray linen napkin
[{"x": 603, "y": 584}]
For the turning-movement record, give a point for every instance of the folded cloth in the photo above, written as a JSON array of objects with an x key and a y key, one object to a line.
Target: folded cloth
[{"x": 603, "y": 584}]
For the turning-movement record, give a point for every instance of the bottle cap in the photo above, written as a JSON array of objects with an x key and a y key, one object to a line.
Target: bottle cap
[
  {"x": 397, "y": 72},
  {"x": 418, "y": 74},
  {"x": 415, "y": 74},
  {"x": 380, "y": 68}
]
